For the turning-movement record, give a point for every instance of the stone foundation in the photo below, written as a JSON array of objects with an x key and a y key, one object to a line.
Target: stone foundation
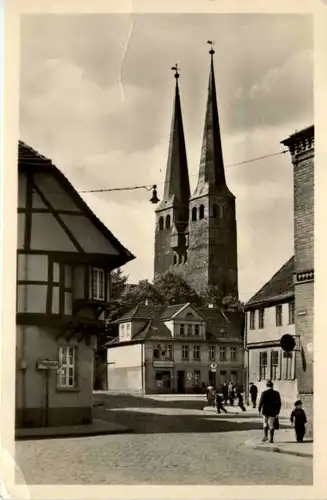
[{"x": 35, "y": 417}]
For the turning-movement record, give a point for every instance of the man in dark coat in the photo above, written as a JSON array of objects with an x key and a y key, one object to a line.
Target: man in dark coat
[
  {"x": 225, "y": 392},
  {"x": 269, "y": 405},
  {"x": 253, "y": 394}
]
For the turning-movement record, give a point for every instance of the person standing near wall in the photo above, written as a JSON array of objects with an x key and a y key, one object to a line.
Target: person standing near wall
[{"x": 253, "y": 394}]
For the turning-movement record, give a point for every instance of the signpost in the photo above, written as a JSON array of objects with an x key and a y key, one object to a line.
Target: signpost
[
  {"x": 47, "y": 365},
  {"x": 287, "y": 342},
  {"x": 213, "y": 367}
]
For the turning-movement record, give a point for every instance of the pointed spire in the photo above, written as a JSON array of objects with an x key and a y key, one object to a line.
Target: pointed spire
[
  {"x": 211, "y": 170},
  {"x": 177, "y": 186}
]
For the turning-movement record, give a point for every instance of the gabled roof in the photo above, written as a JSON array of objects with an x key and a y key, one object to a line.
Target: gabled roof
[
  {"x": 278, "y": 288},
  {"x": 140, "y": 312},
  {"x": 31, "y": 160},
  {"x": 219, "y": 323}
]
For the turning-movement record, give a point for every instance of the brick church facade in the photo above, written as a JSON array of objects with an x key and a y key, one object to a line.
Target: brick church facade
[{"x": 195, "y": 232}]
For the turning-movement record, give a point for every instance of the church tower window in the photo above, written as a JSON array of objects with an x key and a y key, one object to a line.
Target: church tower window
[
  {"x": 161, "y": 223},
  {"x": 168, "y": 222},
  {"x": 201, "y": 212},
  {"x": 194, "y": 214},
  {"x": 221, "y": 212},
  {"x": 214, "y": 211},
  {"x": 175, "y": 259}
]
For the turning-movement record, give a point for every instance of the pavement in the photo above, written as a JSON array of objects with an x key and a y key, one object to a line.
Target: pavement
[
  {"x": 284, "y": 442},
  {"x": 98, "y": 427},
  {"x": 173, "y": 443}
]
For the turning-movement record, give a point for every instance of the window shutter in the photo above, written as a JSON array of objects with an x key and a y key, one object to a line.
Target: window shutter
[
  {"x": 280, "y": 362},
  {"x": 76, "y": 367},
  {"x": 293, "y": 360}
]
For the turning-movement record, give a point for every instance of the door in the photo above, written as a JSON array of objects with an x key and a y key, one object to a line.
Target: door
[{"x": 181, "y": 381}]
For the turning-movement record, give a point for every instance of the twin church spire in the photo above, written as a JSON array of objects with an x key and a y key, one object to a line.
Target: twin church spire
[
  {"x": 211, "y": 170},
  {"x": 196, "y": 233}
]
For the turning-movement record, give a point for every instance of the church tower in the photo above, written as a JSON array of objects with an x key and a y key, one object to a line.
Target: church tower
[
  {"x": 212, "y": 253},
  {"x": 172, "y": 214}
]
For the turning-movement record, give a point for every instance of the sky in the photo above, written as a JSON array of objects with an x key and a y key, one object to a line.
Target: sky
[{"x": 96, "y": 96}]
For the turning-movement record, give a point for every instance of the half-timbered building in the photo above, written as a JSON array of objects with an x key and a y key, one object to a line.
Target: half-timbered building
[{"x": 64, "y": 258}]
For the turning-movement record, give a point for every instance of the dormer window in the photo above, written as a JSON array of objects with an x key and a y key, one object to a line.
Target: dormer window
[
  {"x": 98, "y": 284},
  {"x": 197, "y": 330},
  {"x": 181, "y": 330},
  {"x": 189, "y": 329}
]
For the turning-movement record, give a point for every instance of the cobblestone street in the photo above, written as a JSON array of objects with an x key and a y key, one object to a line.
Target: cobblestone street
[{"x": 170, "y": 445}]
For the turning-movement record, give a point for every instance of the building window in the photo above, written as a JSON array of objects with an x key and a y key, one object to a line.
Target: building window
[
  {"x": 263, "y": 365},
  {"x": 185, "y": 352},
  {"x": 66, "y": 374},
  {"x": 279, "y": 315},
  {"x": 221, "y": 211},
  {"x": 168, "y": 222},
  {"x": 222, "y": 377},
  {"x": 201, "y": 212},
  {"x": 196, "y": 352},
  {"x": 182, "y": 330},
  {"x": 122, "y": 330},
  {"x": 261, "y": 318},
  {"x": 274, "y": 365},
  {"x": 167, "y": 351},
  {"x": 252, "y": 320},
  {"x": 156, "y": 351},
  {"x": 214, "y": 211},
  {"x": 98, "y": 286},
  {"x": 197, "y": 330},
  {"x": 175, "y": 259},
  {"x": 233, "y": 353},
  {"x": 197, "y": 377},
  {"x": 233, "y": 377},
  {"x": 291, "y": 313},
  {"x": 161, "y": 223},
  {"x": 222, "y": 353},
  {"x": 194, "y": 214},
  {"x": 189, "y": 329},
  {"x": 212, "y": 352},
  {"x": 287, "y": 361}
]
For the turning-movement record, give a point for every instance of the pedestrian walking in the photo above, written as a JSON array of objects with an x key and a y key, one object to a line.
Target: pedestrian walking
[
  {"x": 253, "y": 394},
  {"x": 269, "y": 405},
  {"x": 225, "y": 393},
  {"x": 299, "y": 419},
  {"x": 239, "y": 396},
  {"x": 211, "y": 396},
  {"x": 219, "y": 403}
]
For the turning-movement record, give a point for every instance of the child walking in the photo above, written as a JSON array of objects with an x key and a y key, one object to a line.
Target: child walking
[{"x": 299, "y": 419}]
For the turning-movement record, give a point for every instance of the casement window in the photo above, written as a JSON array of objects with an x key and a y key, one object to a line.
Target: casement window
[
  {"x": 162, "y": 351},
  {"x": 61, "y": 286},
  {"x": 181, "y": 330},
  {"x": 197, "y": 377},
  {"x": 233, "y": 353},
  {"x": 279, "y": 315},
  {"x": 263, "y": 365},
  {"x": 252, "y": 320},
  {"x": 197, "y": 330},
  {"x": 274, "y": 365},
  {"x": 67, "y": 372},
  {"x": 189, "y": 329},
  {"x": 98, "y": 284},
  {"x": 222, "y": 353},
  {"x": 196, "y": 352},
  {"x": 185, "y": 352},
  {"x": 291, "y": 313},
  {"x": 261, "y": 324},
  {"x": 212, "y": 352}
]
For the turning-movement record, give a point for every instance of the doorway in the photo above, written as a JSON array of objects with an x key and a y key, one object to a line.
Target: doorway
[{"x": 181, "y": 381}]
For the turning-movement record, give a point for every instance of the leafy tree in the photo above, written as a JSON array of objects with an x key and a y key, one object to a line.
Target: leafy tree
[
  {"x": 118, "y": 283},
  {"x": 173, "y": 289},
  {"x": 144, "y": 292},
  {"x": 213, "y": 295},
  {"x": 232, "y": 304}
]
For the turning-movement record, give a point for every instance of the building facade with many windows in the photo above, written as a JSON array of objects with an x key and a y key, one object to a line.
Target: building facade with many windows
[
  {"x": 270, "y": 314},
  {"x": 64, "y": 259},
  {"x": 170, "y": 349}
]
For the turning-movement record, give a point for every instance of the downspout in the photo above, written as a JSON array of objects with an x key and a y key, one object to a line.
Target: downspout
[{"x": 142, "y": 367}]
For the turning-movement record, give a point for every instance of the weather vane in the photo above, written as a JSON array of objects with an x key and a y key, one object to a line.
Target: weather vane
[
  {"x": 211, "y": 51},
  {"x": 176, "y": 69}
]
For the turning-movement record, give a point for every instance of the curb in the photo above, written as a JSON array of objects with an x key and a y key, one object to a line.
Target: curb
[{"x": 276, "y": 449}]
